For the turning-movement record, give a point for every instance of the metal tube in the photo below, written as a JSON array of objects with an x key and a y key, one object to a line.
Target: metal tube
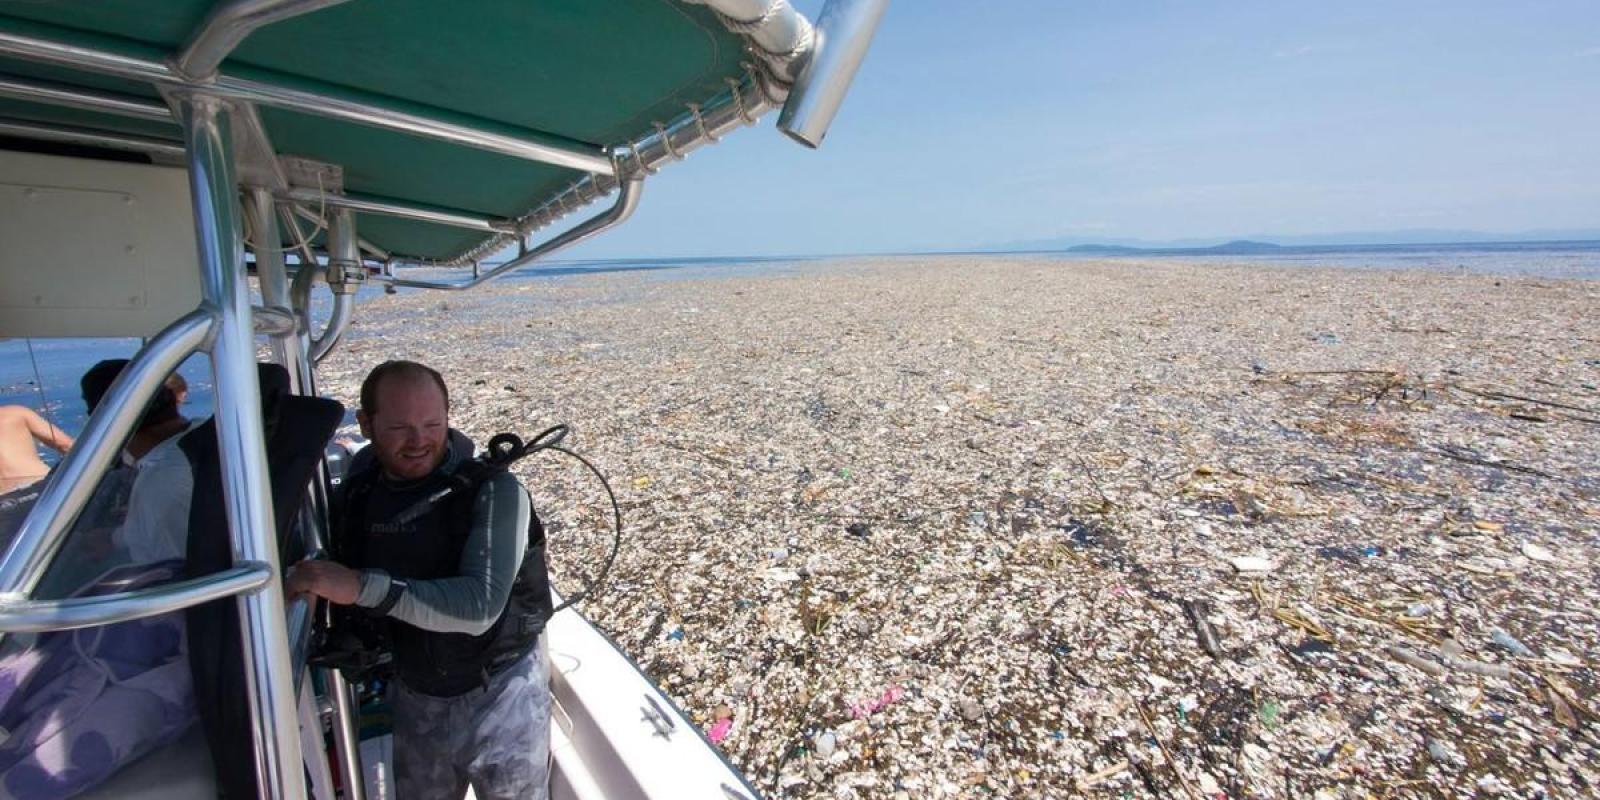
[
  {"x": 300, "y": 299},
  {"x": 301, "y": 242},
  {"x": 74, "y": 481},
  {"x": 394, "y": 208},
  {"x": 288, "y": 351},
  {"x": 346, "y": 741},
  {"x": 241, "y": 442},
  {"x": 227, "y": 25},
  {"x": 343, "y": 306},
  {"x": 781, "y": 34},
  {"x": 844, "y": 32},
  {"x": 92, "y": 138},
  {"x": 627, "y": 201},
  {"x": 273, "y": 321},
  {"x": 270, "y": 272},
  {"x": 515, "y": 144},
  {"x": 742, "y": 105},
  {"x": 344, "y": 256},
  {"x": 35, "y": 616},
  {"x": 372, "y": 249},
  {"x": 300, "y": 631},
  {"x": 84, "y": 99}
]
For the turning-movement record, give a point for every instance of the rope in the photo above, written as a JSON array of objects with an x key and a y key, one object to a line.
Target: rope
[
  {"x": 666, "y": 141},
  {"x": 738, "y": 97},
  {"x": 748, "y": 26},
  {"x": 637, "y": 159},
  {"x": 700, "y": 122},
  {"x": 300, "y": 241},
  {"x": 38, "y": 386},
  {"x": 762, "y": 78}
]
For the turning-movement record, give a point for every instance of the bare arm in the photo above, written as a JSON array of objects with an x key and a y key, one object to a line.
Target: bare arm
[{"x": 51, "y": 436}]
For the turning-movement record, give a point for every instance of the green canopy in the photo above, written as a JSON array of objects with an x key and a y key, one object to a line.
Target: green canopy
[{"x": 581, "y": 74}]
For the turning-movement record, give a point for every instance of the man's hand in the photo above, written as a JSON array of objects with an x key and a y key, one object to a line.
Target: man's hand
[{"x": 337, "y": 583}]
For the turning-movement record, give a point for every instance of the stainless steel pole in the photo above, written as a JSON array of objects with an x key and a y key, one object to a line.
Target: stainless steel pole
[
  {"x": 346, "y": 741},
  {"x": 627, "y": 201},
  {"x": 271, "y": 275},
  {"x": 91, "y": 138},
  {"x": 227, "y": 25},
  {"x": 86, "y": 99},
  {"x": 844, "y": 32},
  {"x": 394, "y": 208},
  {"x": 242, "y": 443}
]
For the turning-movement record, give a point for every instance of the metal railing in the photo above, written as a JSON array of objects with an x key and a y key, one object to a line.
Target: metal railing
[
  {"x": 73, "y": 482},
  {"x": 35, "y": 616}
]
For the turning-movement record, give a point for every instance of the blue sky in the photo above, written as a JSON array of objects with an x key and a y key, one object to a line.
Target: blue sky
[{"x": 975, "y": 124}]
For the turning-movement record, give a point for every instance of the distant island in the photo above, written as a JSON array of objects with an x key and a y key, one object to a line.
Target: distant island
[{"x": 1238, "y": 247}]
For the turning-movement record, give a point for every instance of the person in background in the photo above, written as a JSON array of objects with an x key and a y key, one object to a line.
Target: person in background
[
  {"x": 179, "y": 387},
  {"x": 21, "y": 428},
  {"x": 161, "y": 420},
  {"x": 156, "y": 498}
]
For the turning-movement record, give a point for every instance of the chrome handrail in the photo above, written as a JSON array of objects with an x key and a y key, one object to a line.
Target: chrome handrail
[
  {"x": 246, "y": 492},
  {"x": 67, "y": 134},
  {"x": 84, "y": 99},
  {"x": 627, "y": 201},
  {"x": 35, "y": 616},
  {"x": 227, "y": 25}
]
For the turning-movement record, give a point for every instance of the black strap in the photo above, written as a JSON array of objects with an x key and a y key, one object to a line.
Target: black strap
[{"x": 397, "y": 588}]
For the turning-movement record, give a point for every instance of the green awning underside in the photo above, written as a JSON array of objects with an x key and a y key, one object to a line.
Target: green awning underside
[{"x": 596, "y": 72}]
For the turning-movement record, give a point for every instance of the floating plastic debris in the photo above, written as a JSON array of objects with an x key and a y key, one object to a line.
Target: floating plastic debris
[
  {"x": 891, "y": 695},
  {"x": 823, "y": 744},
  {"x": 1537, "y": 553},
  {"x": 1251, "y": 564},
  {"x": 1506, "y": 641},
  {"x": 719, "y": 730}
]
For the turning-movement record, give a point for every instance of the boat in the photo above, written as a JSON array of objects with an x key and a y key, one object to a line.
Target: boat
[{"x": 161, "y": 161}]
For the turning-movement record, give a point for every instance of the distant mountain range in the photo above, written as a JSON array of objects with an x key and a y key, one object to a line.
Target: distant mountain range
[
  {"x": 1238, "y": 247},
  {"x": 1266, "y": 243}
]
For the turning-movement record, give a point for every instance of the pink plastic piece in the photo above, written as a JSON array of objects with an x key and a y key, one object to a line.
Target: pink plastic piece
[
  {"x": 719, "y": 730},
  {"x": 893, "y": 694}
]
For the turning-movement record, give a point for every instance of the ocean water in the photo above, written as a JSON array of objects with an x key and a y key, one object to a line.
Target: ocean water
[
  {"x": 43, "y": 373},
  {"x": 1566, "y": 260}
]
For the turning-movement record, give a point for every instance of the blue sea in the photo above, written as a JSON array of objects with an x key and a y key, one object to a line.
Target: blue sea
[
  {"x": 43, "y": 373},
  {"x": 1574, "y": 260}
]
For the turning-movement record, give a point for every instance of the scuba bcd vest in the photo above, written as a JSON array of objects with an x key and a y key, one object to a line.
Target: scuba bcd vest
[{"x": 417, "y": 532}]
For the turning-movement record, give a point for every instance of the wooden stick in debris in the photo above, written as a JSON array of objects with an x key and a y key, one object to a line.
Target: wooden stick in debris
[
  {"x": 1087, "y": 782},
  {"x": 1492, "y": 395},
  {"x": 1193, "y": 793},
  {"x": 1197, "y": 611},
  {"x": 1505, "y": 465},
  {"x": 1420, "y": 662}
]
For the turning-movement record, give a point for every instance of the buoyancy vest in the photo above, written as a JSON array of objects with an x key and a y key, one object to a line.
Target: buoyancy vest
[{"x": 396, "y": 529}]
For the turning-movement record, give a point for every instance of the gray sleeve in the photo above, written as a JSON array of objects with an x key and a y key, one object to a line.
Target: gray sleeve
[{"x": 470, "y": 601}]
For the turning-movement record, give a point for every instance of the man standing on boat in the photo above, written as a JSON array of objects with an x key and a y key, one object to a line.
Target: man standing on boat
[{"x": 457, "y": 581}]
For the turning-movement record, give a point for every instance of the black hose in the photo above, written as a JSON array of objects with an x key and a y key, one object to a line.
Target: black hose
[{"x": 616, "y": 539}]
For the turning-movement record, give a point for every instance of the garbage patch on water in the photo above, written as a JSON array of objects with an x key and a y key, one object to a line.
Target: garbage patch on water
[{"x": 968, "y": 527}]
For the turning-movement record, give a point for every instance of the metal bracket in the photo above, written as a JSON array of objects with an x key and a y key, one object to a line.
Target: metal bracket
[
  {"x": 658, "y": 718},
  {"x": 312, "y": 174}
]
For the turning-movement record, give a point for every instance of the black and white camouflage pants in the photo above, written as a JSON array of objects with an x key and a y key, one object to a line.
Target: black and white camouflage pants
[{"x": 497, "y": 738}]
